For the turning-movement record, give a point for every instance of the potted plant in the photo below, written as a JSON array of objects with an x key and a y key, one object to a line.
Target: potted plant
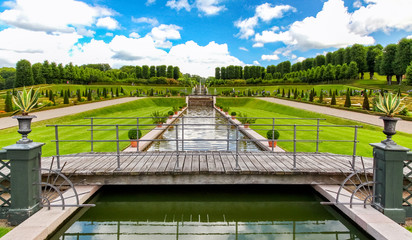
[
  {"x": 133, "y": 136},
  {"x": 25, "y": 101},
  {"x": 175, "y": 109},
  {"x": 170, "y": 114},
  {"x": 249, "y": 121},
  {"x": 226, "y": 110},
  {"x": 272, "y": 136},
  {"x": 180, "y": 108},
  {"x": 233, "y": 114},
  {"x": 389, "y": 104},
  {"x": 158, "y": 118}
]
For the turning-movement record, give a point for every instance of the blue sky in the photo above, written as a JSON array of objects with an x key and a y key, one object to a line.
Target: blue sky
[{"x": 196, "y": 35}]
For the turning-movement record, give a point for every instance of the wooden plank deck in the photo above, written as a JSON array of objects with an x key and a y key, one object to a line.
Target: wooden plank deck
[{"x": 206, "y": 168}]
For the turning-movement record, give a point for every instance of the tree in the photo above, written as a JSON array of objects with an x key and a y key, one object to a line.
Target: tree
[
  {"x": 145, "y": 72},
  {"x": 372, "y": 54},
  {"x": 152, "y": 71},
  {"x": 329, "y": 58},
  {"x": 409, "y": 74},
  {"x": 333, "y": 101},
  {"x": 37, "y": 74},
  {"x": 24, "y": 74},
  {"x": 358, "y": 55},
  {"x": 138, "y": 72},
  {"x": 66, "y": 98},
  {"x": 347, "y": 100},
  {"x": 353, "y": 70},
  {"x": 162, "y": 71},
  {"x": 223, "y": 72},
  {"x": 169, "y": 73},
  {"x": 403, "y": 57},
  {"x": 339, "y": 56},
  {"x": 8, "y": 103},
  {"x": 46, "y": 71},
  {"x": 329, "y": 73},
  {"x": 176, "y": 72},
  {"x": 388, "y": 57},
  {"x": 365, "y": 105},
  {"x": 320, "y": 60}
]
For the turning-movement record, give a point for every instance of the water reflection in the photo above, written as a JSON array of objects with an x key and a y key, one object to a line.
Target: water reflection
[
  {"x": 198, "y": 128},
  {"x": 202, "y": 212}
]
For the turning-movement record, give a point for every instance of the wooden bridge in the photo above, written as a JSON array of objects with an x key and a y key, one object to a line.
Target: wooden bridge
[{"x": 196, "y": 167}]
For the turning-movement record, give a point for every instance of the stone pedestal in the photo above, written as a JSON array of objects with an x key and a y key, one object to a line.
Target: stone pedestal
[
  {"x": 388, "y": 161},
  {"x": 25, "y": 179}
]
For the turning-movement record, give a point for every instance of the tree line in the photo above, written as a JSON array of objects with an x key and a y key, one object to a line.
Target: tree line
[
  {"x": 26, "y": 74},
  {"x": 390, "y": 61}
]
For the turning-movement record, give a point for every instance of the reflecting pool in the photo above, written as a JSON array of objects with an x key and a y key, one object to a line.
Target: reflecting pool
[{"x": 208, "y": 212}]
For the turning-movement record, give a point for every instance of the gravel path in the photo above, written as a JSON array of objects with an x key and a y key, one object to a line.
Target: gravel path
[
  {"x": 402, "y": 126},
  {"x": 7, "y": 122}
]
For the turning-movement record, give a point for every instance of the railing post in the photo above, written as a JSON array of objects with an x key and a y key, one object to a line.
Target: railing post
[
  {"x": 273, "y": 134},
  {"x": 137, "y": 126},
  {"x": 91, "y": 135},
  {"x": 317, "y": 135},
  {"x": 177, "y": 148},
  {"x": 237, "y": 168},
  {"x": 24, "y": 180},
  {"x": 355, "y": 140},
  {"x": 118, "y": 148},
  {"x": 388, "y": 161},
  {"x": 183, "y": 133},
  {"x": 294, "y": 147},
  {"x": 56, "y": 134},
  {"x": 228, "y": 135}
]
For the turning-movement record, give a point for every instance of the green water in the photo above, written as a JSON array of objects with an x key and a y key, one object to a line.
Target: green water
[{"x": 209, "y": 212}]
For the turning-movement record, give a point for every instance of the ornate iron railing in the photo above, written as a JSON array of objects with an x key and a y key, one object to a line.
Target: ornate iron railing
[{"x": 5, "y": 193}]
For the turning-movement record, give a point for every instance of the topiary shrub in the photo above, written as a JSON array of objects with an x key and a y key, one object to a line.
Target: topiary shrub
[
  {"x": 333, "y": 101},
  {"x": 233, "y": 114},
  {"x": 133, "y": 134},
  {"x": 171, "y": 113},
  {"x": 347, "y": 100},
  {"x": 365, "y": 105},
  {"x": 272, "y": 134}
]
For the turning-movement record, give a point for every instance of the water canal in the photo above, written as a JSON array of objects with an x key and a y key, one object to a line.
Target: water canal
[
  {"x": 203, "y": 123},
  {"x": 208, "y": 212}
]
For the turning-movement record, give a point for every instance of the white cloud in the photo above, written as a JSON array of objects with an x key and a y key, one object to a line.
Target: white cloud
[
  {"x": 85, "y": 32},
  {"x": 300, "y": 59},
  {"x": 258, "y": 44},
  {"x": 163, "y": 32},
  {"x": 151, "y": 21},
  {"x": 330, "y": 28},
  {"x": 14, "y": 45},
  {"x": 134, "y": 35},
  {"x": 256, "y": 63},
  {"x": 247, "y": 27},
  {"x": 382, "y": 15},
  {"x": 107, "y": 22},
  {"x": 270, "y": 57},
  {"x": 209, "y": 7},
  {"x": 179, "y": 4},
  {"x": 150, "y": 2},
  {"x": 266, "y": 12},
  {"x": 243, "y": 49},
  {"x": 409, "y": 37},
  {"x": 109, "y": 34},
  {"x": 52, "y": 16},
  {"x": 357, "y": 4}
]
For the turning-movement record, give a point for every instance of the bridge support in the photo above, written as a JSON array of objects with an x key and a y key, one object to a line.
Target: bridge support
[
  {"x": 25, "y": 178},
  {"x": 389, "y": 163}
]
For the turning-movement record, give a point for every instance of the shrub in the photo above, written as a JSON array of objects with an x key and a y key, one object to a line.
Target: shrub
[
  {"x": 347, "y": 100},
  {"x": 66, "y": 99},
  {"x": 233, "y": 114},
  {"x": 171, "y": 113},
  {"x": 226, "y": 109},
  {"x": 9, "y": 104},
  {"x": 133, "y": 134},
  {"x": 175, "y": 108},
  {"x": 365, "y": 104},
  {"x": 333, "y": 101},
  {"x": 404, "y": 112},
  {"x": 158, "y": 118},
  {"x": 390, "y": 104},
  {"x": 274, "y": 136}
]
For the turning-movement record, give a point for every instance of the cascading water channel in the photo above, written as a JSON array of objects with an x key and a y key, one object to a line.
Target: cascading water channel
[{"x": 199, "y": 127}]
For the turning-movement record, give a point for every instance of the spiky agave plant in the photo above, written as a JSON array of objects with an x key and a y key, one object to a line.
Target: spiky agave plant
[
  {"x": 390, "y": 104},
  {"x": 26, "y": 100}
]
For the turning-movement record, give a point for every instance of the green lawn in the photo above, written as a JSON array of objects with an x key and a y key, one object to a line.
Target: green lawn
[
  {"x": 138, "y": 108},
  {"x": 4, "y": 231},
  {"x": 367, "y": 134}
]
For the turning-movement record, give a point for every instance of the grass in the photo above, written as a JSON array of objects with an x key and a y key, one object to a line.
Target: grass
[
  {"x": 367, "y": 134},
  {"x": 138, "y": 108},
  {"x": 4, "y": 231}
]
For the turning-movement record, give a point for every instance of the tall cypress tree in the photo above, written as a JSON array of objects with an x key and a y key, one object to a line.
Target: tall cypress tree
[
  {"x": 347, "y": 100},
  {"x": 333, "y": 101},
  {"x": 365, "y": 105},
  {"x": 66, "y": 98},
  {"x": 8, "y": 103}
]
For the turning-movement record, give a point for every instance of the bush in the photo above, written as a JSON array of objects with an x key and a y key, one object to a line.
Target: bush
[
  {"x": 347, "y": 100},
  {"x": 171, "y": 113},
  {"x": 233, "y": 114},
  {"x": 333, "y": 101},
  {"x": 133, "y": 134},
  {"x": 9, "y": 105},
  {"x": 226, "y": 109},
  {"x": 270, "y": 136},
  {"x": 158, "y": 117},
  {"x": 365, "y": 105}
]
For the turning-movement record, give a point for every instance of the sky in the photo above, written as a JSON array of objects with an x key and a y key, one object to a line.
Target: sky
[{"x": 196, "y": 35}]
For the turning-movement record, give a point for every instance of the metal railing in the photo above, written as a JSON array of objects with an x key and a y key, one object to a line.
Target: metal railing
[{"x": 182, "y": 126}]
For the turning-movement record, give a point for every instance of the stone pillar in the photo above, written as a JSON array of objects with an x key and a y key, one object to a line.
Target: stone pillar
[
  {"x": 24, "y": 183},
  {"x": 388, "y": 160}
]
